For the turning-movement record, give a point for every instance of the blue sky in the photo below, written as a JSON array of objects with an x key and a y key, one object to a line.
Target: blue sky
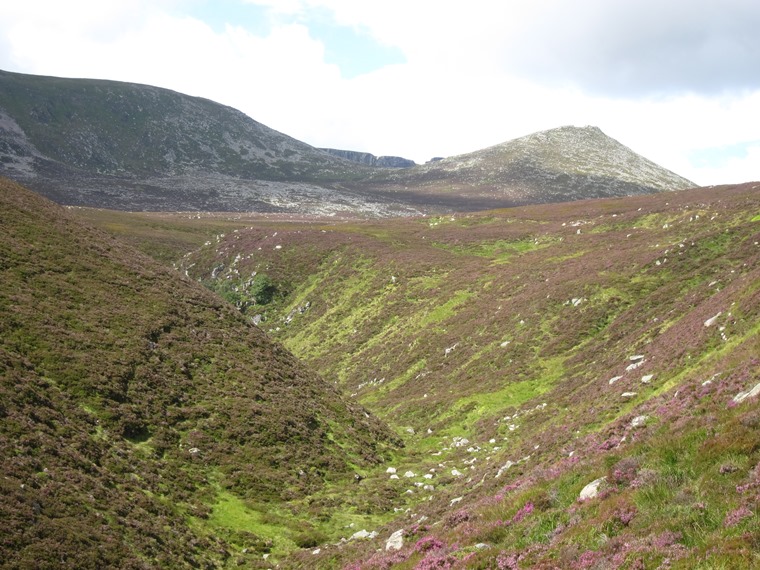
[
  {"x": 352, "y": 48},
  {"x": 676, "y": 80}
]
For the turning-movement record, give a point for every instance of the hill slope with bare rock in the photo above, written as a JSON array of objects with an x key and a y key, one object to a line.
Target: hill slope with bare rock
[
  {"x": 558, "y": 165},
  {"x": 136, "y": 147}
]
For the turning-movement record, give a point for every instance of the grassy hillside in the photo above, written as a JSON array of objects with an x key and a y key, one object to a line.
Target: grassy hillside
[
  {"x": 526, "y": 353},
  {"x": 142, "y": 418}
]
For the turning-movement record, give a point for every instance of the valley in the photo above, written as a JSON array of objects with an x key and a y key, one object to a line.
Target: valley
[
  {"x": 520, "y": 355},
  {"x": 221, "y": 347}
]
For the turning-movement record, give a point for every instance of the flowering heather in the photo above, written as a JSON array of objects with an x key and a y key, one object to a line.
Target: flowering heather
[
  {"x": 666, "y": 539},
  {"x": 514, "y": 421},
  {"x": 457, "y": 518},
  {"x": 507, "y": 561},
  {"x": 586, "y": 560},
  {"x": 624, "y": 471},
  {"x": 524, "y": 511},
  {"x": 428, "y": 543},
  {"x": 737, "y": 515},
  {"x": 437, "y": 562},
  {"x": 625, "y": 514}
]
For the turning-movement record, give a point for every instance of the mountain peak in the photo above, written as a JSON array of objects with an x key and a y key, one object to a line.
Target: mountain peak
[{"x": 556, "y": 165}]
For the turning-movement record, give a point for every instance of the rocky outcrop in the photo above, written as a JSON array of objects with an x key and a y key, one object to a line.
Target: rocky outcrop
[
  {"x": 370, "y": 159},
  {"x": 354, "y": 156},
  {"x": 394, "y": 162}
]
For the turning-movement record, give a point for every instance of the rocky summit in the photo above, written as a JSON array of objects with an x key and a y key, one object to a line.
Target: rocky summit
[{"x": 558, "y": 165}]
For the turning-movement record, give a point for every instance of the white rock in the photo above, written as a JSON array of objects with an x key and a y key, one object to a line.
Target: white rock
[
  {"x": 455, "y": 501},
  {"x": 503, "y": 468},
  {"x": 741, "y": 396},
  {"x": 639, "y": 421},
  {"x": 634, "y": 365},
  {"x": 394, "y": 476},
  {"x": 316, "y": 551},
  {"x": 390, "y": 470},
  {"x": 613, "y": 380},
  {"x": 456, "y": 473},
  {"x": 712, "y": 320},
  {"x": 428, "y": 475},
  {"x": 647, "y": 379},
  {"x": 627, "y": 394},
  {"x": 409, "y": 474},
  {"x": 591, "y": 491},
  {"x": 428, "y": 488},
  {"x": 363, "y": 534},
  {"x": 636, "y": 357},
  {"x": 395, "y": 541}
]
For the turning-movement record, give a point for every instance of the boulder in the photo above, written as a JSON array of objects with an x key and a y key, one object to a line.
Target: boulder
[
  {"x": 395, "y": 541},
  {"x": 591, "y": 491},
  {"x": 712, "y": 320},
  {"x": 639, "y": 421},
  {"x": 741, "y": 396}
]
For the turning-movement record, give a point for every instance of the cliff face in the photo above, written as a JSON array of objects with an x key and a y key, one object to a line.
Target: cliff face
[{"x": 370, "y": 159}]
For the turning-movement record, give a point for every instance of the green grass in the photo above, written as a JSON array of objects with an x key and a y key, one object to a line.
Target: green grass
[
  {"x": 688, "y": 458},
  {"x": 232, "y": 514},
  {"x": 471, "y": 409},
  {"x": 444, "y": 310}
]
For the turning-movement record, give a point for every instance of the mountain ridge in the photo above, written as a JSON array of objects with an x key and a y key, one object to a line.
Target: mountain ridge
[{"x": 134, "y": 147}]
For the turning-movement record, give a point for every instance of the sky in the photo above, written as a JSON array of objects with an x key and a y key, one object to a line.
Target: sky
[{"x": 678, "y": 81}]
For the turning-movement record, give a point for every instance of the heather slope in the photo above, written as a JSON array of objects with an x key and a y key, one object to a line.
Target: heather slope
[
  {"x": 140, "y": 413},
  {"x": 523, "y": 354}
]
